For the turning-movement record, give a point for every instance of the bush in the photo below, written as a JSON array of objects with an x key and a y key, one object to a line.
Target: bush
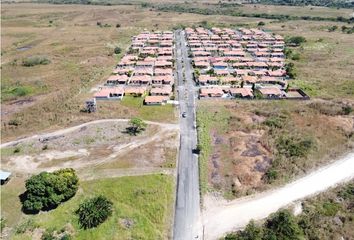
[
  {"x": 28, "y": 225},
  {"x": 293, "y": 146},
  {"x": 282, "y": 225},
  {"x": 261, "y": 23},
  {"x": 117, "y": 25},
  {"x": 271, "y": 175},
  {"x": 117, "y": 50},
  {"x": 35, "y": 60},
  {"x": 47, "y": 190},
  {"x": 2, "y": 224},
  {"x": 295, "y": 56},
  {"x": 94, "y": 211},
  {"x": 295, "y": 41},
  {"x": 275, "y": 121},
  {"x": 347, "y": 110}
]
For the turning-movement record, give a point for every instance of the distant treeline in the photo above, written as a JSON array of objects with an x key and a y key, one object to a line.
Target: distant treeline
[
  {"x": 87, "y": 2},
  {"x": 239, "y": 13},
  {"x": 322, "y": 3}
]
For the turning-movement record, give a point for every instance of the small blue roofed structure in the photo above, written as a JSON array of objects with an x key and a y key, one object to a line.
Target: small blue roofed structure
[{"x": 4, "y": 176}]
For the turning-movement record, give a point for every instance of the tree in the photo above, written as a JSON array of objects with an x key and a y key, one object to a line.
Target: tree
[
  {"x": 136, "y": 125},
  {"x": 282, "y": 225},
  {"x": 117, "y": 25},
  {"x": 47, "y": 190},
  {"x": 92, "y": 212},
  {"x": 117, "y": 50},
  {"x": 261, "y": 23},
  {"x": 242, "y": 83}
]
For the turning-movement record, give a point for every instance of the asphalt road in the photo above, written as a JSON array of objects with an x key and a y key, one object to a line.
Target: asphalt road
[{"x": 187, "y": 223}]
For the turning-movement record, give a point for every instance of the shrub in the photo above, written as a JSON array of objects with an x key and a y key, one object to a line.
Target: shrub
[
  {"x": 295, "y": 56},
  {"x": 275, "y": 121},
  {"x": 271, "y": 175},
  {"x": 295, "y": 41},
  {"x": 47, "y": 190},
  {"x": 14, "y": 122},
  {"x": 27, "y": 225},
  {"x": 293, "y": 146},
  {"x": 35, "y": 60},
  {"x": 261, "y": 23},
  {"x": 332, "y": 28},
  {"x": 117, "y": 50},
  {"x": 92, "y": 212},
  {"x": 2, "y": 223},
  {"x": 282, "y": 225},
  {"x": 347, "y": 110},
  {"x": 117, "y": 25},
  {"x": 329, "y": 209}
]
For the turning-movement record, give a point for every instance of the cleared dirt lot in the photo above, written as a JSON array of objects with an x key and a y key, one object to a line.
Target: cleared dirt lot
[{"x": 105, "y": 145}]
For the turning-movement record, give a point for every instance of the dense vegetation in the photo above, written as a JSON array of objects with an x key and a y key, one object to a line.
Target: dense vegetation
[
  {"x": 46, "y": 190},
  {"x": 238, "y": 13},
  {"x": 92, "y": 212},
  {"x": 328, "y": 216},
  {"x": 281, "y": 225},
  {"x": 323, "y": 3}
]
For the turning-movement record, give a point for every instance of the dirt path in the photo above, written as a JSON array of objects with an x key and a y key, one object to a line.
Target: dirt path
[
  {"x": 71, "y": 129},
  {"x": 222, "y": 217}
]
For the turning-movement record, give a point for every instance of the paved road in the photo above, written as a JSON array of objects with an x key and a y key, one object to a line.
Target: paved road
[{"x": 187, "y": 224}]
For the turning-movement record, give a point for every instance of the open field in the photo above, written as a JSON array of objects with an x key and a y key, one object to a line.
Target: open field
[
  {"x": 142, "y": 209},
  {"x": 248, "y": 146},
  {"x": 49, "y": 96}
]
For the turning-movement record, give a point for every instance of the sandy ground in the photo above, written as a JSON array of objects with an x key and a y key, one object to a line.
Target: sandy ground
[
  {"x": 220, "y": 216},
  {"x": 84, "y": 160}
]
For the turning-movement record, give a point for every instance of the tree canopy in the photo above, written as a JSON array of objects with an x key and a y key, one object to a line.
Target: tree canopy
[
  {"x": 47, "y": 190},
  {"x": 282, "y": 225},
  {"x": 92, "y": 212},
  {"x": 136, "y": 125}
]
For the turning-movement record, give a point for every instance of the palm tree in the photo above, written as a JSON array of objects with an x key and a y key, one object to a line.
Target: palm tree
[{"x": 92, "y": 212}]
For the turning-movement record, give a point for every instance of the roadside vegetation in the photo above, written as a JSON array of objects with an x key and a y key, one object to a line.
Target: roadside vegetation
[
  {"x": 246, "y": 147},
  {"x": 326, "y": 216}
]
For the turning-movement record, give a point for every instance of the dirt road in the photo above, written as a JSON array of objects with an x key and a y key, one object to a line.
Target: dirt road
[
  {"x": 71, "y": 129},
  {"x": 225, "y": 217}
]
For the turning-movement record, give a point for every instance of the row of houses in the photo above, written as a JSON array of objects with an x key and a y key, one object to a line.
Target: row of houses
[
  {"x": 146, "y": 70},
  {"x": 250, "y": 93},
  {"x": 239, "y": 63}
]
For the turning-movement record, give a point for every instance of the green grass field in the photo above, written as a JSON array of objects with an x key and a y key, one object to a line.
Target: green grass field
[{"x": 145, "y": 201}]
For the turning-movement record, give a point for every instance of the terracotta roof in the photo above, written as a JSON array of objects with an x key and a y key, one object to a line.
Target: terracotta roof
[
  {"x": 270, "y": 91},
  {"x": 155, "y": 99},
  {"x": 105, "y": 92},
  {"x": 244, "y": 92}
]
